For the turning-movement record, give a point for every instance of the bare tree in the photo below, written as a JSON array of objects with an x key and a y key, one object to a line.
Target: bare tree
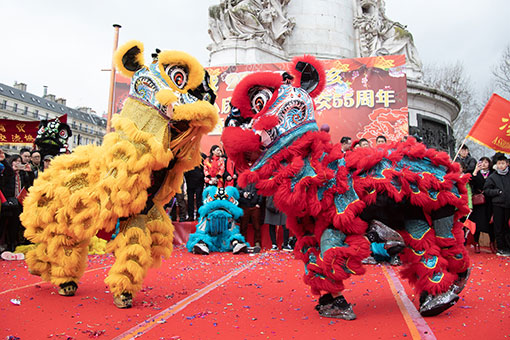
[
  {"x": 501, "y": 71},
  {"x": 453, "y": 80}
]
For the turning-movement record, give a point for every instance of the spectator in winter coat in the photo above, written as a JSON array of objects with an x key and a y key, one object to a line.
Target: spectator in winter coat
[
  {"x": 482, "y": 212},
  {"x": 497, "y": 187},
  {"x": 466, "y": 159}
]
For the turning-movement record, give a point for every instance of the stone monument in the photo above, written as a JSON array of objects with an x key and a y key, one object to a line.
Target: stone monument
[
  {"x": 269, "y": 31},
  {"x": 254, "y": 30}
]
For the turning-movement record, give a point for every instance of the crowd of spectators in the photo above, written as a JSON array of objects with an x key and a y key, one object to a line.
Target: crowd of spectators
[
  {"x": 17, "y": 175},
  {"x": 489, "y": 196}
]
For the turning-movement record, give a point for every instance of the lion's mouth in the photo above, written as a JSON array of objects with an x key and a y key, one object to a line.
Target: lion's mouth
[{"x": 177, "y": 127}]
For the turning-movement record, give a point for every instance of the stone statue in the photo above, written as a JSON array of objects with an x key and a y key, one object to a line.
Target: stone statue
[
  {"x": 262, "y": 20},
  {"x": 381, "y": 36}
]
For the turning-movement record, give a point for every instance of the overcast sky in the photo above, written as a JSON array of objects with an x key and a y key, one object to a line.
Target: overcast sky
[{"x": 65, "y": 44}]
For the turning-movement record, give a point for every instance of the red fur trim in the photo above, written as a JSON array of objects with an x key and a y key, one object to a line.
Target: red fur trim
[
  {"x": 337, "y": 259},
  {"x": 237, "y": 143},
  {"x": 240, "y": 97},
  {"x": 317, "y": 65},
  {"x": 266, "y": 123}
]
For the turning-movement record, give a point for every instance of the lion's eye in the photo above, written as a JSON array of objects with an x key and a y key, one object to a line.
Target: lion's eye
[
  {"x": 63, "y": 134},
  {"x": 259, "y": 98},
  {"x": 178, "y": 74}
]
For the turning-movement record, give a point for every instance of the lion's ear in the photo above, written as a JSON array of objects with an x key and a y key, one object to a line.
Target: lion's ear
[
  {"x": 309, "y": 75},
  {"x": 129, "y": 58}
]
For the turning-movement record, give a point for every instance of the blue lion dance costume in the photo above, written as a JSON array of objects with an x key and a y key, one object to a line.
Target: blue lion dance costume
[{"x": 216, "y": 228}]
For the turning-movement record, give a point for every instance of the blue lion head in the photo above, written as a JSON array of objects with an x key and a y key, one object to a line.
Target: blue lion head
[{"x": 220, "y": 208}]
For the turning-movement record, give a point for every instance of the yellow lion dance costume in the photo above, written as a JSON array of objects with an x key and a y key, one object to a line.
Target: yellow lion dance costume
[{"x": 129, "y": 178}]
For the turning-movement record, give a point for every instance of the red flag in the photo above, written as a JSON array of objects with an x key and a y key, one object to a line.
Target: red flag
[
  {"x": 492, "y": 128},
  {"x": 22, "y": 194},
  {"x": 470, "y": 225}
]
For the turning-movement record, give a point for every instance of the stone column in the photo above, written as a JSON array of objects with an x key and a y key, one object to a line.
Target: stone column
[{"x": 323, "y": 28}]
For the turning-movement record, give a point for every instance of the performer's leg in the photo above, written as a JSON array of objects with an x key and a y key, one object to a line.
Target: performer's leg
[
  {"x": 426, "y": 268},
  {"x": 450, "y": 239},
  {"x": 60, "y": 259},
  {"x": 341, "y": 256},
  {"x": 162, "y": 234},
  {"x": 200, "y": 242},
  {"x": 132, "y": 249}
]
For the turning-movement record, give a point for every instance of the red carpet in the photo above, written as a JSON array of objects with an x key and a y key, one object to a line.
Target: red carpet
[{"x": 222, "y": 296}]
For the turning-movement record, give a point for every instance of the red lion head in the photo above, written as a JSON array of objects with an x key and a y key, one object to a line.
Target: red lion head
[{"x": 270, "y": 110}]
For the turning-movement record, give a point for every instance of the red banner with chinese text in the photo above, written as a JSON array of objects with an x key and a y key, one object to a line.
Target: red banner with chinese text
[
  {"x": 492, "y": 128},
  {"x": 21, "y": 131},
  {"x": 363, "y": 97}
]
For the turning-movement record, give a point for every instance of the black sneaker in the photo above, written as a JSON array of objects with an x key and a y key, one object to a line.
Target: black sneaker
[
  {"x": 201, "y": 249},
  {"x": 253, "y": 250}
]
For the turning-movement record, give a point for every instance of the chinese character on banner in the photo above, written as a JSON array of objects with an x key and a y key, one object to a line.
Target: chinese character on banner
[{"x": 20, "y": 132}]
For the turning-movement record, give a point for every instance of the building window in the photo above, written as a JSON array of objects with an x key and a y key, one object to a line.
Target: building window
[
  {"x": 26, "y": 110},
  {"x": 36, "y": 113},
  {"x": 15, "y": 107},
  {"x": 86, "y": 140},
  {"x": 4, "y": 104},
  {"x": 80, "y": 126},
  {"x": 47, "y": 115},
  {"x": 74, "y": 139}
]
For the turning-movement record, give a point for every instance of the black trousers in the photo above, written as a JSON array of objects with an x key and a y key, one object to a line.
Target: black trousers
[
  {"x": 272, "y": 234},
  {"x": 11, "y": 229},
  {"x": 194, "y": 197},
  {"x": 501, "y": 228}
]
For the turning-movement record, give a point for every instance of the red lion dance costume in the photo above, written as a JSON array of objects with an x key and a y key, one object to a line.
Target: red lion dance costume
[{"x": 333, "y": 199}]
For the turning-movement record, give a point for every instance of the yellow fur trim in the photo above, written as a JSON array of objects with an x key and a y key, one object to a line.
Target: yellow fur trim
[
  {"x": 166, "y": 97},
  {"x": 117, "y": 57},
  {"x": 200, "y": 114},
  {"x": 196, "y": 71}
]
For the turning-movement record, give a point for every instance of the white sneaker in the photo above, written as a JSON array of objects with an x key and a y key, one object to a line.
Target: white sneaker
[
  {"x": 239, "y": 248},
  {"x": 274, "y": 247},
  {"x": 201, "y": 249},
  {"x": 8, "y": 256}
]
